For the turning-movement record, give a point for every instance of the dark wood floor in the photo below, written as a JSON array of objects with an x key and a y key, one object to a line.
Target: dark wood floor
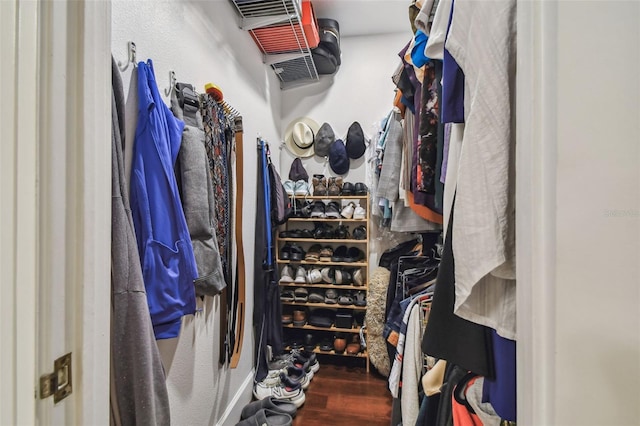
[{"x": 345, "y": 395}]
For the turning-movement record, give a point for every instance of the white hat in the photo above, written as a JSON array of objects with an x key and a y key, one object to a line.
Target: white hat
[{"x": 300, "y": 135}]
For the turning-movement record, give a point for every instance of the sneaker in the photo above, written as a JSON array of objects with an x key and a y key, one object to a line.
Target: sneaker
[
  {"x": 328, "y": 275},
  {"x": 289, "y": 187},
  {"x": 286, "y": 274},
  {"x": 287, "y": 295},
  {"x": 318, "y": 209},
  {"x": 332, "y": 210},
  {"x": 347, "y": 212},
  {"x": 314, "y": 276},
  {"x": 359, "y": 212},
  {"x": 358, "y": 278},
  {"x": 314, "y": 365},
  {"x": 301, "y": 188},
  {"x": 271, "y": 387},
  {"x": 301, "y": 275}
]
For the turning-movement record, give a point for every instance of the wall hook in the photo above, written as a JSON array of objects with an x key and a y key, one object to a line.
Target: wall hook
[
  {"x": 131, "y": 57},
  {"x": 172, "y": 83}
]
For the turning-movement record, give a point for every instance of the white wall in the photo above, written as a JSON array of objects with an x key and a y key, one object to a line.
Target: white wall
[
  {"x": 202, "y": 43},
  {"x": 361, "y": 90},
  {"x": 598, "y": 214}
]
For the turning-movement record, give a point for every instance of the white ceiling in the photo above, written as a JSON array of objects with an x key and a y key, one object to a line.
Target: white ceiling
[{"x": 364, "y": 17}]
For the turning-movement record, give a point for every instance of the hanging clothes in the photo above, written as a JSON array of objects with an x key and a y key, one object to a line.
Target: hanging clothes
[
  {"x": 168, "y": 264},
  {"x": 196, "y": 192},
  {"x": 138, "y": 388},
  {"x": 267, "y": 314},
  {"x": 216, "y": 144},
  {"x": 484, "y": 226}
]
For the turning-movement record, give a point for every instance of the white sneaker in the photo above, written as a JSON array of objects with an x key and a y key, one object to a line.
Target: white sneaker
[
  {"x": 347, "y": 212},
  {"x": 271, "y": 387},
  {"x": 359, "y": 212},
  {"x": 301, "y": 188},
  {"x": 289, "y": 187},
  {"x": 301, "y": 275},
  {"x": 314, "y": 276},
  {"x": 286, "y": 274}
]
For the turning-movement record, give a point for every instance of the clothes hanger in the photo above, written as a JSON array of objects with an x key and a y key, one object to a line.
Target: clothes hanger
[{"x": 172, "y": 83}]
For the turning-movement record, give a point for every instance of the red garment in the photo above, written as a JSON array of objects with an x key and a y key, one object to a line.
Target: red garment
[{"x": 462, "y": 414}]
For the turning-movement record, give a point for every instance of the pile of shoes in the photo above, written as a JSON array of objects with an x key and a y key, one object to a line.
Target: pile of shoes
[
  {"x": 280, "y": 394},
  {"x": 322, "y": 275}
]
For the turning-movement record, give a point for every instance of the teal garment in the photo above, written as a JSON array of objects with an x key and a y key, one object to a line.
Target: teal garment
[{"x": 168, "y": 263}]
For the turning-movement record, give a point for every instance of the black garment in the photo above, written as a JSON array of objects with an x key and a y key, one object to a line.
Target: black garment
[
  {"x": 393, "y": 254},
  {"x": 448, "y": 336},
  {"x": 267, "y": 312},
  {"x": 452, "y": 377}
]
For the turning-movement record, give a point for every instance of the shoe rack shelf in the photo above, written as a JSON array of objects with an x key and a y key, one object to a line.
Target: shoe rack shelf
[
  {"x": 326, "y": 305},
  {"x": 323, "y": 240},
  {"x": 324, "y": 285},
  {"x": 332, "y": 328},
  {"x": 322, "y": 219},
  {"x": 305, "y": 243},
  {"x": 319, "y": 264}
]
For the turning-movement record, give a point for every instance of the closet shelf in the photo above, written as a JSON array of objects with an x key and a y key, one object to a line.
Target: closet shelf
[
  {"x": 326, "y": 305},
  {"x": 302, "y": 262},
  {"x": 332, "y": 328},
  {"x": 324, "y": 240},
  {"x": 276, "y": 26},
  {"x": 325, "y": 285}
]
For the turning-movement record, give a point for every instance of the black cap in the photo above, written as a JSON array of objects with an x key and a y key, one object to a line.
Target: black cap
[{"x": 355, "y": 141}]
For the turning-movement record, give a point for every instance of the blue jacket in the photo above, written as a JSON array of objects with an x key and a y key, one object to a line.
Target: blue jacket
[{"x": 168, "y": 263}]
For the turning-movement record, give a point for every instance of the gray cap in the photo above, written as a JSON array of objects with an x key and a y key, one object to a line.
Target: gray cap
[{"x": 324, "y": 138}]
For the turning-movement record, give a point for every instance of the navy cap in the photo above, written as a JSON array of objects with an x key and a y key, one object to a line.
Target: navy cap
[
  {"x": 338, "y": 159},
  {"x": 355, "y": 141}
]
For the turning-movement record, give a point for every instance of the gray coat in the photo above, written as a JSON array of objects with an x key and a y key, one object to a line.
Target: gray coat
[
  {"x": 138, "y": 388},
  {"x": 196, "y": 192}
]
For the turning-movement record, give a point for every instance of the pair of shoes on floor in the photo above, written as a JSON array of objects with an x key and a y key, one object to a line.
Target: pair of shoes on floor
[{"x": 273, "y": 387}]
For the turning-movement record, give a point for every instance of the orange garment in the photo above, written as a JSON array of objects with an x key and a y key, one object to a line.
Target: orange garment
[
  {"x": 423, "y": 211},
  {"x": 398, "y": 103}
]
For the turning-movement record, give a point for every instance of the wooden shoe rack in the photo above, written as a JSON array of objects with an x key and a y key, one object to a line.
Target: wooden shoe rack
[{"x": 306, "y": 243}]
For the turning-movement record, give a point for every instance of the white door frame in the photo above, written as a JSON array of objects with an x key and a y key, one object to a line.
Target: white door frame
[
  {"x": 536, "y": 211},
  {"x": 56, "y": 99},
  {"x": 18, "y": 218}
]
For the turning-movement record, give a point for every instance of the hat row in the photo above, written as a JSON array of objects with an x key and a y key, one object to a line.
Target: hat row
[{"x": 304, "y": 138}]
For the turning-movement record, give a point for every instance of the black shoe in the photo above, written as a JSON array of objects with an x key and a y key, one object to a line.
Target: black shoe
[
  {"x": 296, "y": 252},
  {"x": 332, "y": 210},
  {"x": 318, "y": 210},
  {"x": 361, "y": 189},
  {"x": 285, "y": 252},
  {"x": 360, "y": 233},
  {"x": 347, "y": 188},
  {"x": 339, "y": 254},
  {"x": 354, "y": 254}
]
